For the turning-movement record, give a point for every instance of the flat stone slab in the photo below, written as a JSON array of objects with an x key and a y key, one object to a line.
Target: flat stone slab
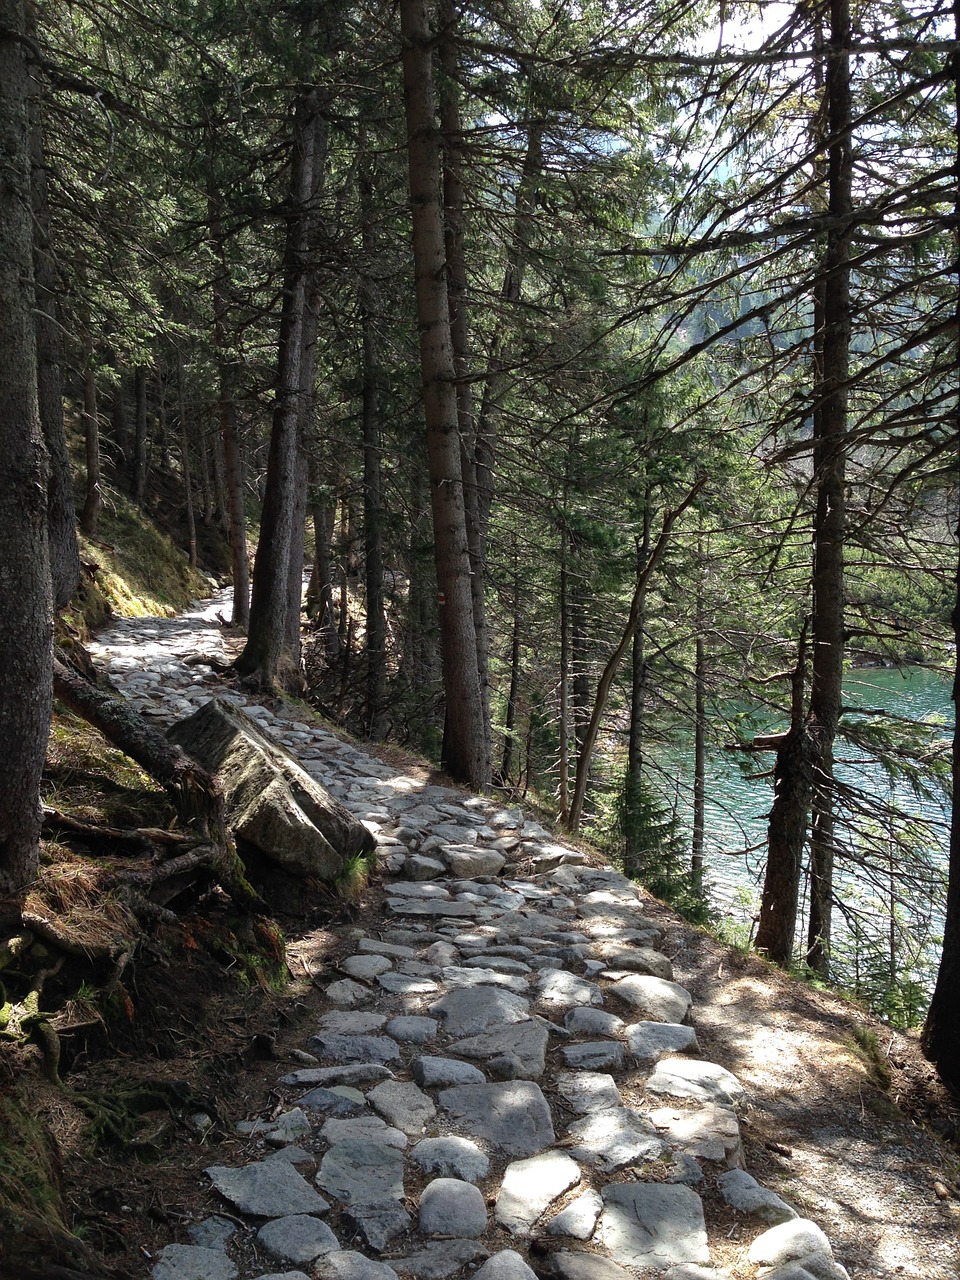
[
  {"x": 588, "y": 1092},
  {"x": 634, "y": 959},
  {"x": 403, "y": 1105},
  {"x": 455, "y": 977},
  {"x": 513, "y": 1115},
  {"x": 653, "y": 1226},
  {"x": 582, "y": 1021},
  {"x": 559, "y": 989},
  {"x": 744, "y": 1193},
  {"x": 351, "y": 1022},
  {"x": 567, "y": 1264},
  {"x": 611, "y": 1139},
  {"x": 359, "y": 1171},
  {"x": 410, "y": 1029},
  {"x": 440, "y": 1259},
  {"x": 348, "y": 1073},
  {"x": 654, "y": 998},
  {"x": 452, "y": 1157},
  {"x": 365, "y": 966},
  {"x": 524, "y": 1041},
  {"x": 466, "y": 861},
  {"x": 341, "y": 1100},
  {"x": 348, "y": 993},
  {"x": 708, "y": 1133},
  {"x": 297, "y": 1238},
  {"x": 423, "y": 907},
  {"x": 350, "y": 1049},
  {"x": 397, "y": 950},
  {"x": 367, "y": 1128},
  {"x": 191, "y": 1262},
  {"x": 689, "y": 1078},
  {"x": 579, "y": 1219},
  {"x": 651, "y": 1041},
  {"x": 452, "y": 1207},
  {"x": 406, "y": 984},
  {"x": 594, "y": 1055},
  {"x": 349, "y": 1265},
  {"x": 379, "y": 1224},
  {"x": 530, "y": 1186},
  {"x": 432, "y": 1073},
  {"x": 266, "y": 1189},
  {"x": 475, "y": 1009}
]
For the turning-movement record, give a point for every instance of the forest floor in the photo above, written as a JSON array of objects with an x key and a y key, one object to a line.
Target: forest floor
[{"x": 846, "y": 1120}]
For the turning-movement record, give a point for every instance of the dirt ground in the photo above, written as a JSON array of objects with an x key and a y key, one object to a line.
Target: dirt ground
[{"x": 845, "y": 1118}]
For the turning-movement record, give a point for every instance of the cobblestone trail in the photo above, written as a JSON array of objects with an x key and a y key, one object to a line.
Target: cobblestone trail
[{"x": 505, "y": 1083}]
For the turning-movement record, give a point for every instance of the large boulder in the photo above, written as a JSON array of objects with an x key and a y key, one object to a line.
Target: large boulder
[{"x": 282, "y": 819}]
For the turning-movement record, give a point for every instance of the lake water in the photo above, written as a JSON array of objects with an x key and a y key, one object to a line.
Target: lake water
[{"x": 737, "y": 804}]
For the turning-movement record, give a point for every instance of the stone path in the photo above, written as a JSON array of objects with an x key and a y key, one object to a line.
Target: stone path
[{"x": 505, "y": 1083}]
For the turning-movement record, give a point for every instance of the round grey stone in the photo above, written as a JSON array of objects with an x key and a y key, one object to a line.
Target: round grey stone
[
  {"x": 506, "y": 1265},
  {"x": 297, "y": 1238},
  {"x": 434, "y": 1072},
  {"x": 450, "y": 1207}
]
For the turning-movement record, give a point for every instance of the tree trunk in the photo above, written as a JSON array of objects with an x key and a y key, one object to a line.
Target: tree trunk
[
  {"x": 93, "y": 499},
  {"x": 139, "y": 472},
  {"x": 564, "y": 691},
  {"x": 633, "y": 784},
  {"x": 510, "y": 719},
  {"x": 829, "y": 462},
  {"x": 608, "y": 675},
  {"x": 236, "y": 518},
  {"x": 61, "y": 513},
  {"x": 699, "y": 734},
  {"x": 324, "y": 515},
  {"x": 941, "y": 1032},
  {"x": 476, "y": 513},
  {"x": 266, "y": 660},
  {"x": 26, "y": 619},
  {"x": 787, "y": 828},
  {"x": 189, "y": 506},
  {"x": 465, "y": 753},
  {"x": 375, "y": 725},
  {"x": 119, "y": 423}
]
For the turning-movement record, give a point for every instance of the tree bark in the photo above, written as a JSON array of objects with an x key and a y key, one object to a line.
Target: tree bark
[
  {"x": 93, "y": 499},
  {"x": 375, "y": 724},
  {"x": 612, "y": 666},
  {"x": 266, "y": 660},
  {"x": 139, "y": 471},
  {"x": 26, "y": 619},
  {"x": 227, "y": 412},
  {"x": 465, "y": 754},
  {"x": 188, "y": 502},
  {"x": 476, "y": 513},
  {"x": 787, "y": 827},
  {"x": 829, "y": 462},
  {"x": 633, "y": 784},
  {"x": 61, "y": 513},
  {"x": 941, "y": 1032}
]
